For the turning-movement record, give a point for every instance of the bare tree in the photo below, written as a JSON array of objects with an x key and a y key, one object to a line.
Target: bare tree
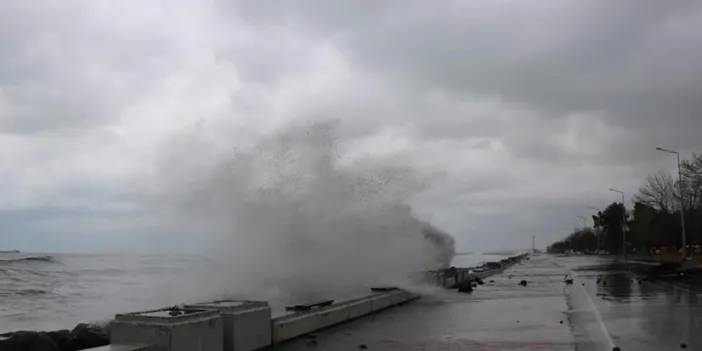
[
  {"x": 659, "y": 192},
  {"x": 692, "y": 181}
]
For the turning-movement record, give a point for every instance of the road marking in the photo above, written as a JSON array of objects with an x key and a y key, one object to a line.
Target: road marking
[
  {"x": 595, "y": 311},
  {"x": 598, "y": 316}
]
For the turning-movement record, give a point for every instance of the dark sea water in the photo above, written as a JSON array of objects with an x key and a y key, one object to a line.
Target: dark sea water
[{"x": 57, "y": 291}]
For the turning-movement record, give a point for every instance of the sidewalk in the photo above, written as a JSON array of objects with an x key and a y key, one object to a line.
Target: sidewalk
[{"x": 499, "y": 315}]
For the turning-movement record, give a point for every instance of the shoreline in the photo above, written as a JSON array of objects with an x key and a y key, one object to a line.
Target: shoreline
[{"x": 95, "y": 334}]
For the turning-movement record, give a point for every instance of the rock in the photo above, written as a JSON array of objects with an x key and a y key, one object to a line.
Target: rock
[
  {"x": 27, "y": 341},
  {"x": 465, "y": 287},
  {"x": 493, "y": 265},
  {"x": 683, "y": 345},
  {"x": 362, "y": 346},
  {"x": 523, "y": 283},
  {"x": 60, "y": 338},
  {"x": 616, "y": 348},
  {"x": 569, "y": 281},
  {"x": 85, "y": 335}
]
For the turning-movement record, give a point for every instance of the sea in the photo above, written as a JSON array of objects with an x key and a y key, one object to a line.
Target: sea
[{"x": 49, "y": 291}]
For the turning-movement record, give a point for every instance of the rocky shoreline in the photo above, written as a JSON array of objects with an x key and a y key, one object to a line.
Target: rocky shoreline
[{"x": 82, "y": 336}]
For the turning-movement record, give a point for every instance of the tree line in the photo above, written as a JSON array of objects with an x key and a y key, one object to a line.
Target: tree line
[{"x": 653, "y": 223}]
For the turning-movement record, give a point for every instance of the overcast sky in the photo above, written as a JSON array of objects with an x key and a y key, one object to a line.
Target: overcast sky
[{"x": 523, "y": 113}]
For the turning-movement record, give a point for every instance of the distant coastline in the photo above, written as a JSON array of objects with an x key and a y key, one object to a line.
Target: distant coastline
[{"x": 14, "y": 256}]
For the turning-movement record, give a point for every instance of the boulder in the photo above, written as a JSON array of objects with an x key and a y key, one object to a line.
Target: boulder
[
  {"x": 86, "y": 335},
  {"x": 493, "y": 265},
  {"x": 465, "y": 287},
  {"x": 27, "y": 341},
  {"x": 60, "y": 338}
]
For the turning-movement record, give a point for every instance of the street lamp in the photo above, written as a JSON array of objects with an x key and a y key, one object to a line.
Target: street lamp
[
  {"x": 623, "y": 221},
  {"x": 682, "y": 206},
  {"x": 596, "y": 227},
  {"x": 584, "y": 221}
]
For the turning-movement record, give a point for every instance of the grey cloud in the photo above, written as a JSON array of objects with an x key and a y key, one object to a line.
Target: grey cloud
[
  {"x": 635, "y": 61},
  {"x": 502, "y": 97},
  {"x": 65, "y": 67}
]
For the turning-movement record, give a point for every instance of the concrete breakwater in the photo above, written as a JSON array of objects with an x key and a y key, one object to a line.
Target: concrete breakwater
[
  {"x": 230, "y": 325},
  {"x": 454, "y": 277},
  {"x": 242, "y": 325},
  {"x": 237, "y": 325}
]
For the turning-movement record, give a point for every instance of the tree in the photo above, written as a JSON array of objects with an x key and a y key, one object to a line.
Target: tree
[
  {"x": 655, "y": 219},
  {"x": 691, "y": 171},
  {"x": 659, "y": 192},
  {"x": 611, "y": 223},
  {"x": 581, "y": 240},
  {"x": 644, "y": 229}
]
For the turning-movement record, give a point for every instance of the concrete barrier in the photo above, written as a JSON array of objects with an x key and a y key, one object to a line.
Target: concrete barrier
[
  {"x": 171, "y": 329},
  {"x": 451, "y": 278},
  {"x": 293, "y": 325},
  {"x": 246, "y": 324},
  {"x": 120, "y": 347}
]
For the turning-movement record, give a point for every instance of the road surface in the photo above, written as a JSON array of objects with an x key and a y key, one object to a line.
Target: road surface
[{"x": 606, "y": 306}]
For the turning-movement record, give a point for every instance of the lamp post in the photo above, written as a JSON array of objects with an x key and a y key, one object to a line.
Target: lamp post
[
  {"x": 623, "y": 221},
  {"x": 597, "y": 231},
  {"x": 682, "y": 204},
  {"x": 584, "y": 221}
]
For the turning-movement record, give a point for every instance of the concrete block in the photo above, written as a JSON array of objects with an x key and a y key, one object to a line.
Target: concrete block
[
  {"x": 293, "y": 325},
  {"x": 171, "y": 329},
  {"x": 382, "y": 301},
  {"x": 360, "y": 308},
  {"x": 122, "y": 347},
  {"x": 286, "y": 328},
  {"x": 247, "y": 324}
]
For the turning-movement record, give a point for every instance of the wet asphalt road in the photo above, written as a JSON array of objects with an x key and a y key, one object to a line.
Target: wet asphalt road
[{"x": 606, "y": 306}]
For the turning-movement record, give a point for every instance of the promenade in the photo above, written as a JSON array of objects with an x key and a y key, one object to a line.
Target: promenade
[{"x": 608, "y": 305}]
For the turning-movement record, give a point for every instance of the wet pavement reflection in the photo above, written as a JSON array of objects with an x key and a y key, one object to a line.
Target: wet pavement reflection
[
  {"x": 633, "y": 306},
  {"x": 642, "y": 306}
]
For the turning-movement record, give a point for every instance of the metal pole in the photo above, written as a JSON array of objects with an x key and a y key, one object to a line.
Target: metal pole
[
  {"x": 623, "y": 221},
  {"x": 596, "y": 228},
  {"x": 682, "y": 202},
  {"x": 624, "y": 225},
  {"x": 533, "y": 244},
  {"x": 597, "y": 235},
  {"x": 584, "y": 221},
  {"x": 682, "y": 208}
]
